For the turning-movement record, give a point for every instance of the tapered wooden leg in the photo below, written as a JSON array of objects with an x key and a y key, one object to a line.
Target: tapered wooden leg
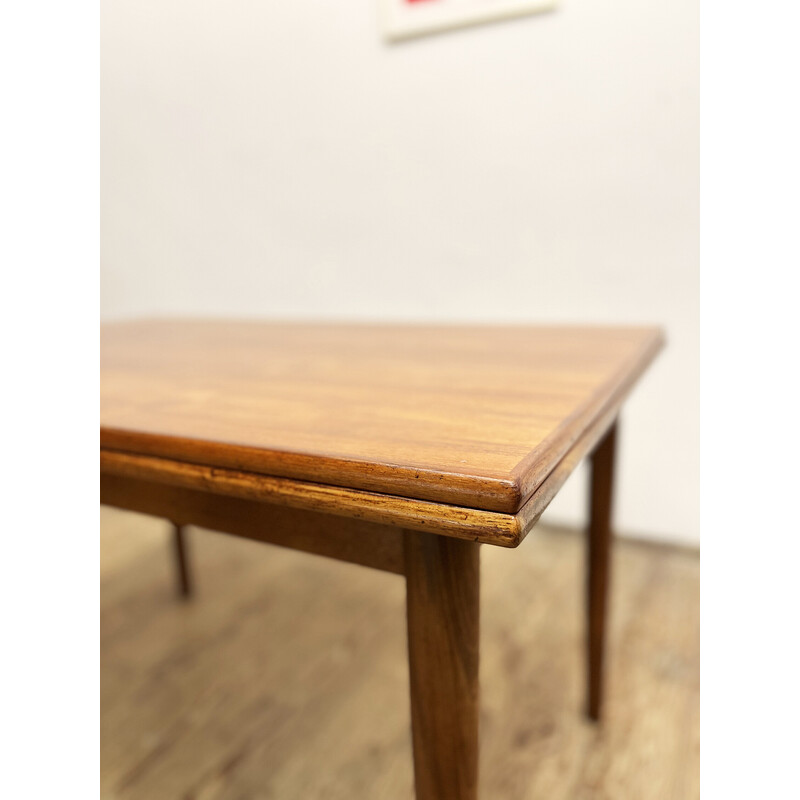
[
  {"x": 443, "y": 610},
  {"x": 599, "y": 557},
  {"x": 182, "y": 562}
]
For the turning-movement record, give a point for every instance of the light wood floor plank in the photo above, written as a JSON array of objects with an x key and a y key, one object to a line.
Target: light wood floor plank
[{"x": 286, "y": 676}]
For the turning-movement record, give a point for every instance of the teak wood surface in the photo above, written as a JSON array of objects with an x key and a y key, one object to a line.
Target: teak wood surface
[
  {"x": 399, "y": 448},
  {"x": 472, "y": 417}
]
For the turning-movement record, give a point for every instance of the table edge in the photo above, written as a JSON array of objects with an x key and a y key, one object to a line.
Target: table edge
[
  {"x": 507, "y": 494},
  {"x": 473, "y": 524},
  {"x": 533, "y": 470},
  {"x": 461, "y": 522}
]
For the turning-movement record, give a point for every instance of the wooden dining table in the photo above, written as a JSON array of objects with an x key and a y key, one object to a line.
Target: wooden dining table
[{"x": 398, "y": 447}]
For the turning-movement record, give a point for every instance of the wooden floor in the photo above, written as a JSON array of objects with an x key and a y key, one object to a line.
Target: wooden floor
[{"x": 285, "y": 677}]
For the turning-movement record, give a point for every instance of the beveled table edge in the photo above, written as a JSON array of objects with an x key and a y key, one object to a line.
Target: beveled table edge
[
  {"x": 448, "y": 520},
  {"x": 533, "y": 471},
  {"x": 461, "y": 522},
  {"x": 491, "y": 492},
  {"x": 505, "y": 494}
]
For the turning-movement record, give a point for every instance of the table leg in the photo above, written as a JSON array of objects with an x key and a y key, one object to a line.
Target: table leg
[
  {"x": 443, "y": 610},
  {"x": 182, "y": 562},
  {"x": 598, "y": 558}
]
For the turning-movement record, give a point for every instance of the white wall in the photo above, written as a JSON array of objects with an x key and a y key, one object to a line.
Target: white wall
[{"x": 278, "y": 159}]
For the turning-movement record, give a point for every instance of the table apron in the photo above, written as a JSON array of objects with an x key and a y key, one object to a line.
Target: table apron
[{"x": 345, "y": 539}]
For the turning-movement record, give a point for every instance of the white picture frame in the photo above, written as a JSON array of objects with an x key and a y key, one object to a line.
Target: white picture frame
[{"x": 406, "y": 19}]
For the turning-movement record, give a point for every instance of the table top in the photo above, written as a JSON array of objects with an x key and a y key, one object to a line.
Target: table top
[{"x": 472, "y": 416}]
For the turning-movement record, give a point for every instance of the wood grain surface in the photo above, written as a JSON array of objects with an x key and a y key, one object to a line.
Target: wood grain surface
[
  {"x": 332, "y": 501},
  {"x": 286, "y": 675},
  {"x": 443, "y": 618},
  {"x": 183, "y": 566},
  {"x": 469, "y": 416},
  {"x": 598, "y": 559},
  {"x": 487, "y": 527},
  {"x": 345, "y": 539}
]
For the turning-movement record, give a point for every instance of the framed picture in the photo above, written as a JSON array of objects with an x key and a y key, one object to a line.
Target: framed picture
[{"x": 403, "y": 19}]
